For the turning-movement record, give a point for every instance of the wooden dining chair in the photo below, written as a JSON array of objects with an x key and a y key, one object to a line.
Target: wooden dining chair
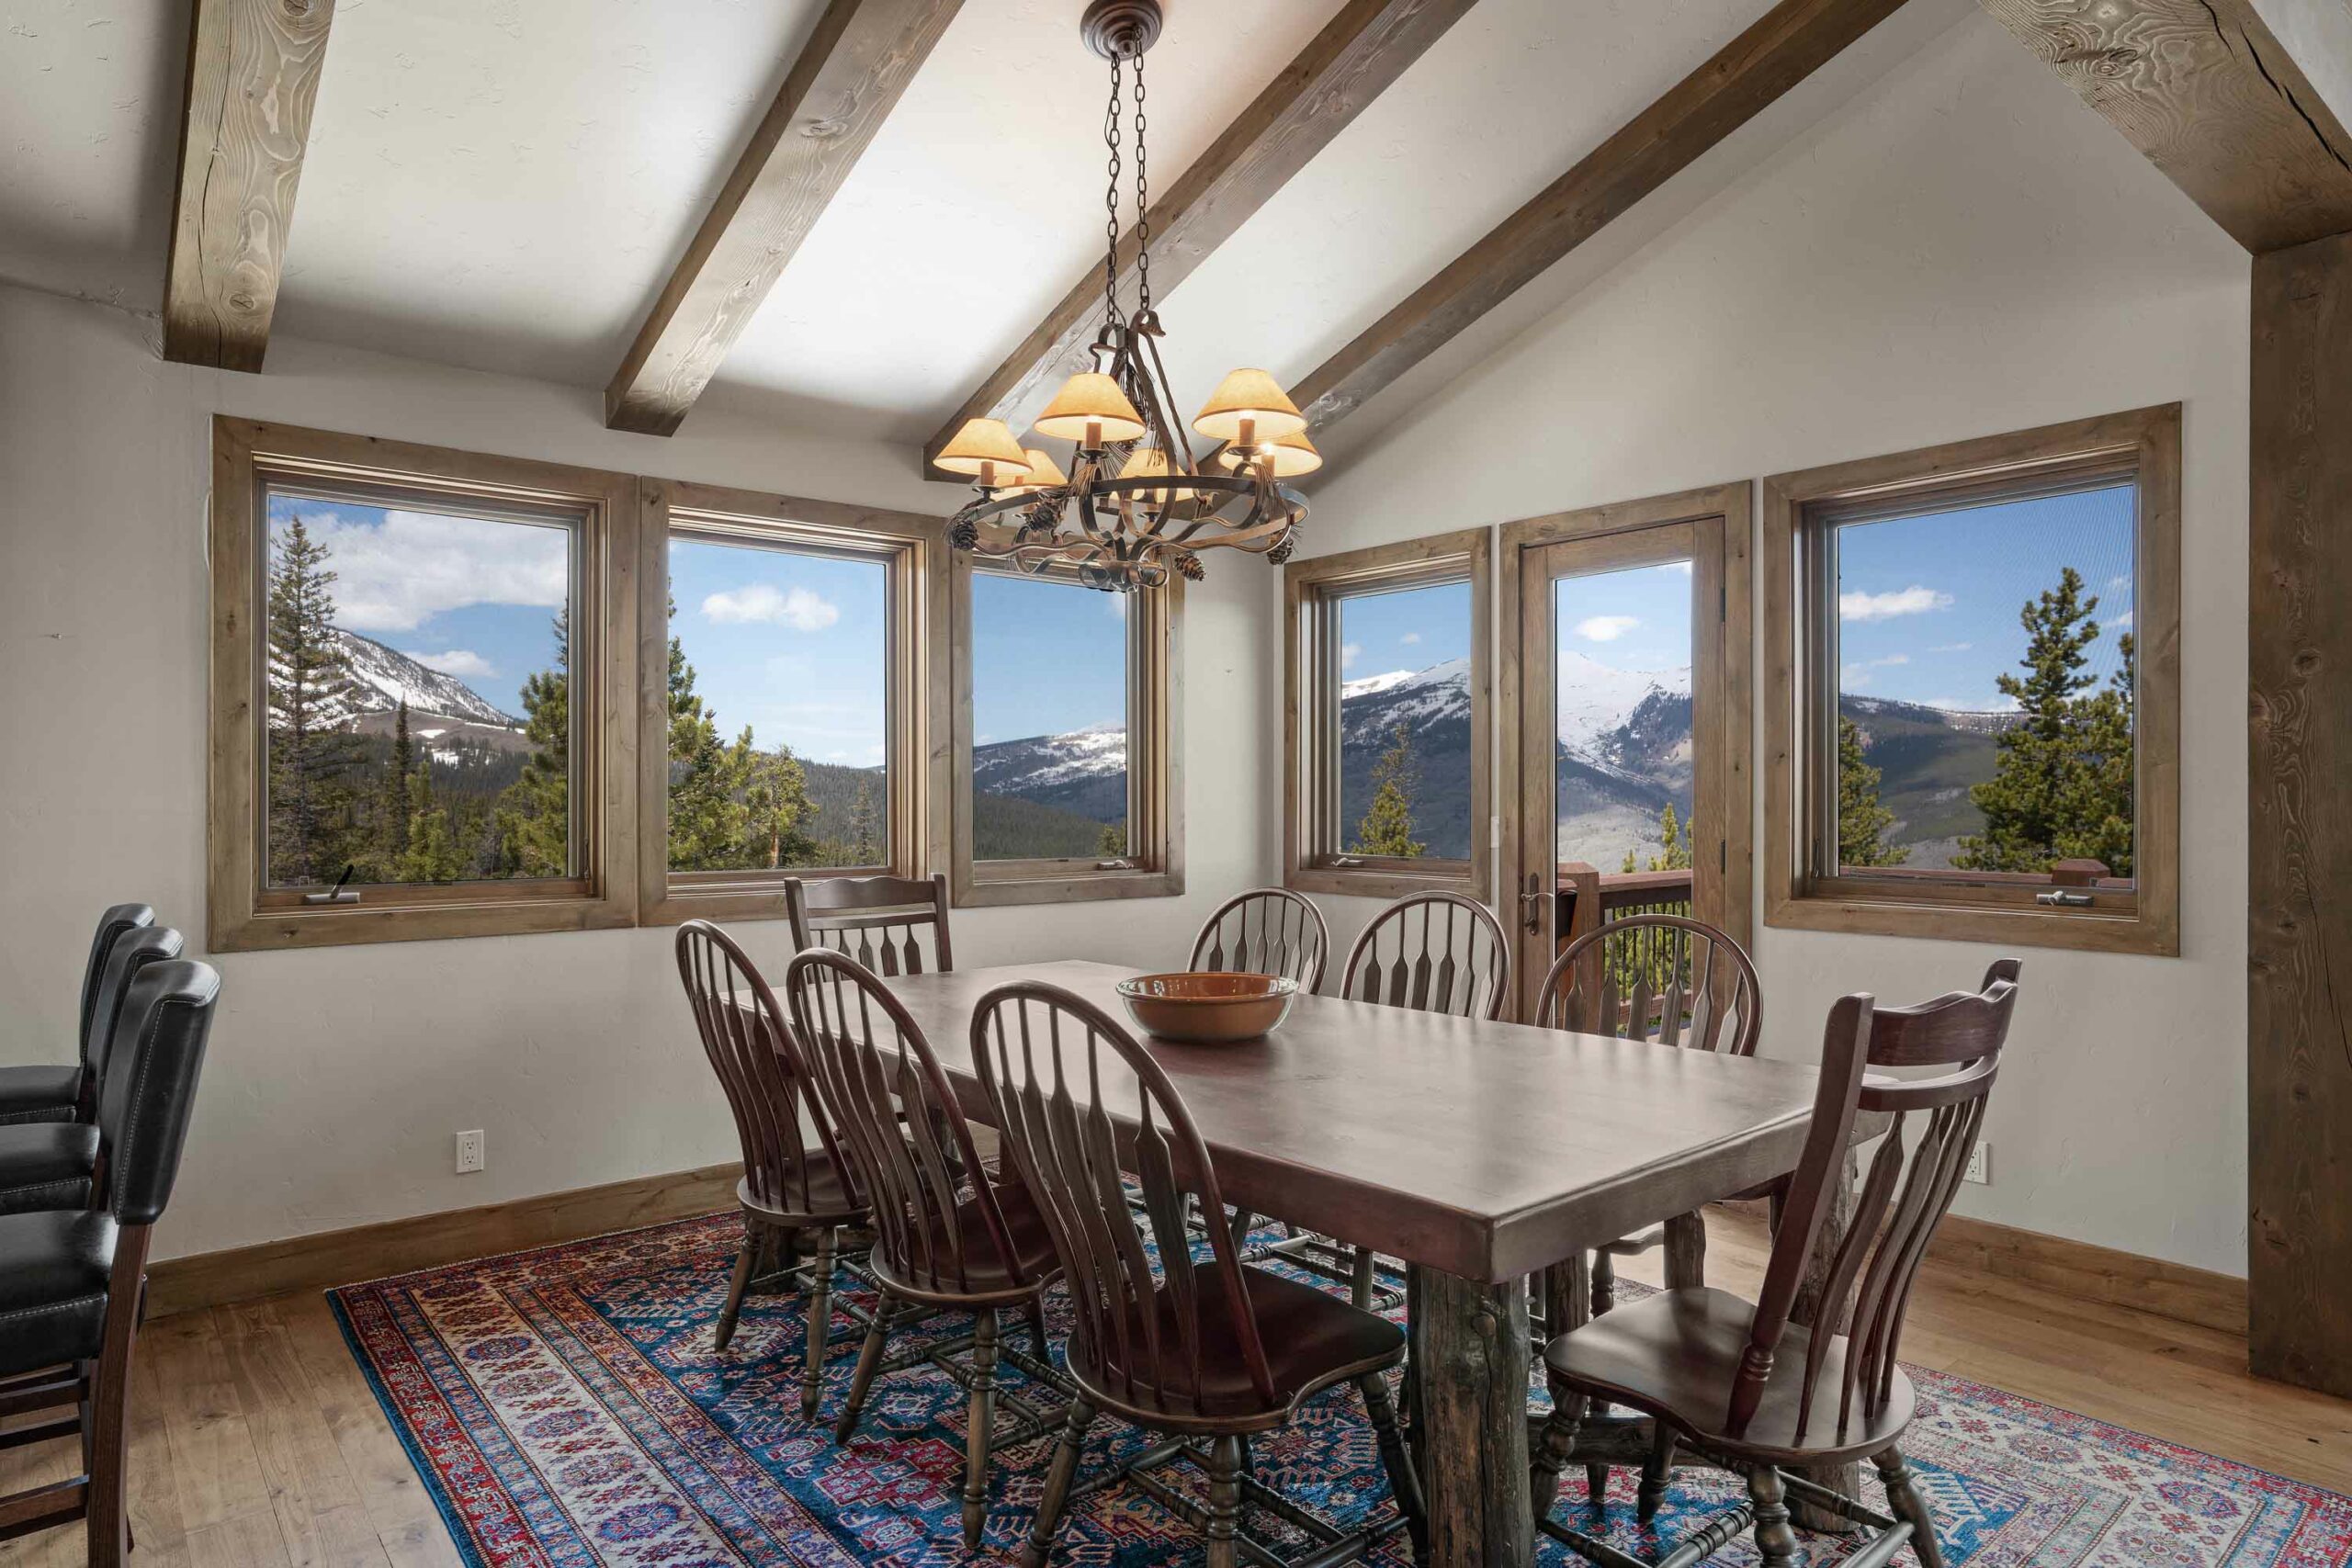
[
  {"x": 1267, "y": 930},
  {"x": 1737, "y": 1381},
  {"x": 787, "y": 1187},
  {"x": 878, "y": 920},
  {"x": 947, "y": 1235},
  {"x": 1432, "y": 953},
  {"x": 1206, "y": 1348}
]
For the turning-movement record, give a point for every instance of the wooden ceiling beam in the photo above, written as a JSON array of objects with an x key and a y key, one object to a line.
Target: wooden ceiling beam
[
  {"x": 1787, "y": 44},
  {"x": 843, "y": 85},
  {"x": 2209, "y": 94},
  {"x": 1366, "y": 46},
  {"x": 252, "y": 75}
]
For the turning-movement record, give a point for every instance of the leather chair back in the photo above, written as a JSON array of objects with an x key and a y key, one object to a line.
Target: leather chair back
[
  {"x": 145, "y": 1106},
  {"x": 117, "y": 920},
  {"x": 134, "y": 950}
]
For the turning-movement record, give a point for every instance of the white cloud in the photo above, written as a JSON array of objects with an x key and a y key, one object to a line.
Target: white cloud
[
  {"x": 1606, "y": 629},
  {"x": 799, "y": 608},
  {"x": 1859, "y": 674},
  {"x": 459, "y": 661},
  {"x": 2123, "y": 622},
  {"x": 2122, "y": 582},
  {"x": 1348, "y": 653},
  {"x": 391, "y": 577},
  {"x": 1410, "y": 637},
  {"x": 1912, "y": 600},
  {"x": 1951, "y": 648}
]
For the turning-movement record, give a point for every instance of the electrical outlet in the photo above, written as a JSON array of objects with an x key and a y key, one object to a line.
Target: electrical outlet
[
  {"x": 470, "y": 1154},
  {"x": 1979, "y": 1165}
]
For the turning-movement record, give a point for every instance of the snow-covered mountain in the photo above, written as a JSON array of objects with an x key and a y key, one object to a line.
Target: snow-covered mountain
[
  {"x": 1082, "y": 771},
  {"x": 382, "y": 676},
  {"x": 1596, "y": 700}
]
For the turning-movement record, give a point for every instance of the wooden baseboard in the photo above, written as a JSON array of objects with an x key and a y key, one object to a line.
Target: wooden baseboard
[
  {"x": 2094, "y": 1273},
  {"x": 427, "y": 1241}
]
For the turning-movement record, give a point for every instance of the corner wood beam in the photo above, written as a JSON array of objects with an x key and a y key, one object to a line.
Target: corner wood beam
[
  {"x": 1352, "y": 62},
  {"x": 252, "y": 75},
  {"x": 843, "y": 85},
  {"x": 1787, "y": 44},
  {"x": 2214, "y": 100}
]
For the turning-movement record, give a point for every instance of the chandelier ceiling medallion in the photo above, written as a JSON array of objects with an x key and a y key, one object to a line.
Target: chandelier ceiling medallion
[{"x": 1135, "y": 503}]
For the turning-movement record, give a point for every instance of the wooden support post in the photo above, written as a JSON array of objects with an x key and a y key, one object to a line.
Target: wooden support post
[
  {"x": 2299, "y": 1082},
  {"x": 1470, "y": 1347}
]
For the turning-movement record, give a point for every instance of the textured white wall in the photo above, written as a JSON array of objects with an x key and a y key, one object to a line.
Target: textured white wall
[
  {"x": 1962, "y": 249},
  {"x": 336, "y": 1076}
]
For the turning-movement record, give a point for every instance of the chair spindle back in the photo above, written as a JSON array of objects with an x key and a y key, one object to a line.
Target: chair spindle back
[
  {"x": 1267, "y": 930},
  {"x": 878, "y": 920},
  {"x": 1062, "y": 1078},
  {"x": 749, "y": 1045},
  {"x": 861, "y": 1050},
  {"x": 1917, "y": 1168},
  {"x": 1432, "y": 953},
  {"x": 1661, "y": 978}
]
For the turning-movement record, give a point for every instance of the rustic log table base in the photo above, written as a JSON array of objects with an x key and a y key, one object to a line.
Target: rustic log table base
[{"x": 1470, "y": 1350}]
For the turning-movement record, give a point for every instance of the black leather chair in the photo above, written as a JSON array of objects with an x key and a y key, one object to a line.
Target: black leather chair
[
  {"x": 51, "y": 1165},
  {"x": 42, "y": 1091},
  {"x": 71, "y": 1280}
]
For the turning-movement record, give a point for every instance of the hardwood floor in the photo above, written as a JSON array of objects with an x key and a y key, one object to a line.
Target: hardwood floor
[{"x": 255, "y": 1443}]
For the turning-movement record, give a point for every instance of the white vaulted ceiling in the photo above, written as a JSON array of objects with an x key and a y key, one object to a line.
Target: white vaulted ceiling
[{"x": 506, "y": 184}]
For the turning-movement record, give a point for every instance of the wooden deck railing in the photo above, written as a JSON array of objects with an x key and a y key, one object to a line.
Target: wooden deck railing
[{"x": 1589, "y": 896}]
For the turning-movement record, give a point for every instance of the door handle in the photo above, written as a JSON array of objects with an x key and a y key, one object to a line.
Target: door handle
[{"x": 1532, "y": 908}]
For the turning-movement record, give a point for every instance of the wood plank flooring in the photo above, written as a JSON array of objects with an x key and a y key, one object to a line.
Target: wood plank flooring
[{"x": 255, "y": 1443}]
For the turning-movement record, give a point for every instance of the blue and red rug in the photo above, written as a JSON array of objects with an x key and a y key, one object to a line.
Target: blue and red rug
[{"x": 566, "y": 1408}]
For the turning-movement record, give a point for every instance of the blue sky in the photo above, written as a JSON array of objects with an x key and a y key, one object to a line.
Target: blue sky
[
  {"x": 1928, "y": 605},
  {"x": 1410, "y": 628},
  {"x": 473, "y": 597},
  {"x": 788, "y": 643},
  {"x": 1636, "y": 618},
  {"x": 1047, "y": 658}
]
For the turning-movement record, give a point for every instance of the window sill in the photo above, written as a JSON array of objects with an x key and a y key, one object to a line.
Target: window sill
[
  {"x": 980, "y": 889},
  {"x": 347, "y": 925},
  {"x": 1382, "y": 882},
  {"x": 2084, "y": 930}
]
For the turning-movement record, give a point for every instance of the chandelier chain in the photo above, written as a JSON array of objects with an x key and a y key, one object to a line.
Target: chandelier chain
[
  {"x": 1143, "y": 204},
  {"x": 1111, "y": 202}
]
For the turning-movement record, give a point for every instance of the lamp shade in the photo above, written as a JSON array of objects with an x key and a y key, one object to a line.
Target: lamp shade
[
  {"x": 1293, "y": 455},
  {"x": 1250, "y": 397},
  {"x": 1091, "y": 411},
  {"x": 986, "y": 450},
  {"x": 1043, "y": 472}
]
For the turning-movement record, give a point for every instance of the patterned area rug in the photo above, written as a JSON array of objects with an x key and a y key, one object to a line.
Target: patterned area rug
[{"x": 565, "y": 1407}]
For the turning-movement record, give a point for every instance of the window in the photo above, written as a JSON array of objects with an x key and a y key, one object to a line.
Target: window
[
  {"x": 1978, "y": 734},
  {"x": 787, "y": 735},
  {"x": 1066, "y": 738},
  {"x": 416, "y": 647},
  {"x": 1386, "y": 690}
]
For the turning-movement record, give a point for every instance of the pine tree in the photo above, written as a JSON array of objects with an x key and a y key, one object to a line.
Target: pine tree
[
  {"x": 1674, "y": 844},
  {"x": 1113, "y": 843},
  {"x": 2062, "y": 781},
  {"x": 534, "y": 815},
  {"x": 776, "y": 809},
  {"x": 1862, "y": 822},
  {"x": 393, "y": 809},
  {"x": 431, "y": 855},
  {"x": 1386, "y": 828},
  {"x": 862, "y": 848},
  {"x": 311, "y": 750},
  {"x": 705, "y": 819}
]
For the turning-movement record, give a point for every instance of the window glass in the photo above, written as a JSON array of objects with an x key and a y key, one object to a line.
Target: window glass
[
  {"x": 1626, "y": 764},
  {"x": 1404, "y": 717},
  {"x": 1049, "y": 719},
  {"x": 779, "y": 710},
  {"x": 419, "y": 725},
  {"x": 1984, "y": 701}
]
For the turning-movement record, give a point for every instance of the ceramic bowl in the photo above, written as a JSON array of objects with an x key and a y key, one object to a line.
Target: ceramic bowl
[{"x": 1209, "y": 1009}]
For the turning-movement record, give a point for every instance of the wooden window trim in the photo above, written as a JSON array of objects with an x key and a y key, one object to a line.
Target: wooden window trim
[
  {"x": 1155, "y": 770},
  {"x": 241, "y": 914},
  {"x": 1797, "y": 507},
  {"x": 914, "y": 549},
  {"x": 1310, "y": 695}
]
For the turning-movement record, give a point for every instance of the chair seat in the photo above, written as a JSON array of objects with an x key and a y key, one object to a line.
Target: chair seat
[
  {"x": 1675, "y": 1355},
  {"x": 829, "y": 1200},
  {"x": 1312, "y": 1341},
  {"x": 39, "y": 1093},
  {"x": 983, "y": 1272},
  {"x": 53, "y": 1274},
  {"x": 46, "y": 1165}
]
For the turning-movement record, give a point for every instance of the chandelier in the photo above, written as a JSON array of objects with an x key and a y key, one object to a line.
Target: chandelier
[{"x": 1135, "y": 503}]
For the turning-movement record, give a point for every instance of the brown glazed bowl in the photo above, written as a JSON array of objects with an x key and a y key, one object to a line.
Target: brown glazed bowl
[{"x": 1209, "y": 1009}]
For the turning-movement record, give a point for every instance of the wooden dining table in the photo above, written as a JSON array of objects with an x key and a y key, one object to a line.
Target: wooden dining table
[{"x": 1477, "y": 1153}]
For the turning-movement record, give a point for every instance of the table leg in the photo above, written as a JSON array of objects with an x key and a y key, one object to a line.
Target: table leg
[
  {"x": 1470, "y": 1347},
  {"x": 1686, "y": 1251},
  {"x": 1838, "y": 1213}
]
